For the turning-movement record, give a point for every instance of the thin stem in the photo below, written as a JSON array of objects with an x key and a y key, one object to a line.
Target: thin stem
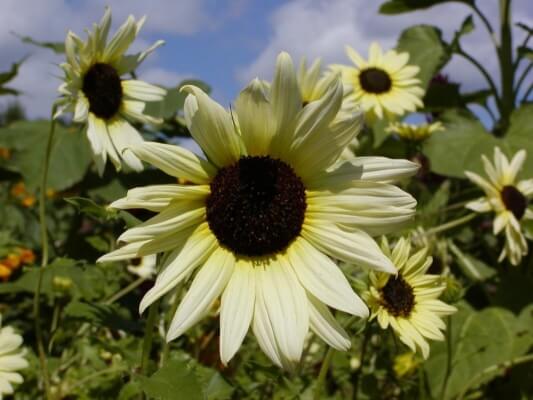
[
  {"x": 485, "y": 21},
  {"x": 494, "y": 368},
  {"x": 148, "y": 336},
  {"x": 322, "y": 374},
  {"x": 448, "y": 358},
  {"x": 528, "y": 92},
  {"x": 490, "y": 112},
  {"x": 506, "y": 64},
  {"x": 44, "y": 259},
  {"x": 121, "y": 293},
  {"x": 485, "y": 74},
  {"x": 451, "y": 224},
  {"x": 357, "y": 379},
  {"x": 170, "y": 315},
  {"x": 522, "y": 78}
]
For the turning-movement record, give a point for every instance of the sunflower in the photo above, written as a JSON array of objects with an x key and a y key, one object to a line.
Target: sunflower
[
  {"x": 313, "y": 86},
  {"x": 263, "y": 213},
  {"x": 408, "y": 301},
  {"x": 11, "y": 359},
  {"x": 508, "y": 198},
  {"x": 414, "y": 132},
  {"x": 385, "y": 85},
  {"x": 94, "y": 90}
]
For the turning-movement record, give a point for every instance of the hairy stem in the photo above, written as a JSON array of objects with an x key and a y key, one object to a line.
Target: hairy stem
[
  {"x": 506, "y": 64},
  {"x": 148, "y": 336}
]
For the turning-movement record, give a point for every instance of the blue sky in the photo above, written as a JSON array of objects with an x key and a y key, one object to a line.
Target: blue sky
[{"x": 228, "y": 42}]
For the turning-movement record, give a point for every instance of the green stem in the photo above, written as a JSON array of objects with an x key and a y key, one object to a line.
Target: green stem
[
  {"x": 148, "y": 336},
  {"x": 485, "y": 21},
  {"x": 448, "y": 358},
  {"x": 322, "y": 374},
  {"x": 522, "y": 78},
  {"x": 44, "y": 260},
  {"x": 451, "y": 224},
  {"x": 494, "y": 368},
  {"x": 121, "y": 293},
  {"x": 485, "y": 74},
  {"x": 170, "y": 315},
  {"x": 506, "y": 64},
  {"x": 357, "y": 378}
]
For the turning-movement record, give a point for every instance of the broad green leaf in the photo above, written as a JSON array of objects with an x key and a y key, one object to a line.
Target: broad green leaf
[
  {"x": 472, "y": 267},
  {"x": 175, "y": 381},
  {"x": 426, "y": 49},
  {"x": 402, "y": 6},
  {"x": 70, "y": 158},
  {"x": 519, "y": 135},
  {"x": 480, "y": 340},
  {"x": 459, "y": 147}
]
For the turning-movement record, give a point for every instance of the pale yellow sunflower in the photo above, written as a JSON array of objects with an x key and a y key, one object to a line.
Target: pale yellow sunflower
[
  {"x": 385, "y": 85},
  {"x": 95, "y": 91},
  {"x": 414, "y": 132},
  {"x": 408, "y": 301},
  {"x": 264, "y": 215},
  {"x": 508, "y": 198}
]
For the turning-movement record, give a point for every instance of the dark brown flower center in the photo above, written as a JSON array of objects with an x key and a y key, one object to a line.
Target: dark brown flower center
[
  {"x": 514, "y": 201},
  {"x": 375, "y": 80},
  {"x": 256, "y": 206},
  {"x": 103, "y": 89},
  {"x": 398, "y": 297}
]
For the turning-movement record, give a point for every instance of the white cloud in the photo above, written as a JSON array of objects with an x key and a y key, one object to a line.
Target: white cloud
[
  {"x": 50, "y": 20},
  {"x": 321, "y": 28}
]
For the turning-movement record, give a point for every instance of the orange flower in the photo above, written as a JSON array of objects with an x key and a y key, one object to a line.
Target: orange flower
[
  {"x": 19, "y": 191},
  {"x": 12, "y": 261},
  {"x": 27, "y": 256},
  {"x": 5, "y": 153},
  {"x": 5, "y": 272}
]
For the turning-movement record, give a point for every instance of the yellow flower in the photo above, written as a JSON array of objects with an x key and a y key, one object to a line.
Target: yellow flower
[
  {"x": 508, "y": 198},
  {"x": 264, "y": 215},
  {"x": 408, "y": 302},
  {"x": 5, "y": 272},
  {"x": 414, "y": 132},
  {"x": 405, "y": 364},
  {"x": 20, "y": 192},
  {"x": 385, "y": 85},
  {"x": 5, "y": 153},
  {"x": 94, "y": 90}
]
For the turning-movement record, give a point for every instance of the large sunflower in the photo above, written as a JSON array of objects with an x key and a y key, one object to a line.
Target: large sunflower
[
  {"x": 12, "y": 359},
  {"x": 508, "y": 198},
  {"x": 94, "y": 90},
  {"x": 385, "y": 85},
  {"x": 265, "y": 210},
  {"x": 408, "y": 301}
]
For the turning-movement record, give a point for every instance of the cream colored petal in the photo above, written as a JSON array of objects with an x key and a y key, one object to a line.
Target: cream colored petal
[
  {"x": 500, "y": 222},
  {"x": 355, "y": 247},
  {"x": 177, "y": 216},
  {"x": 99, "y": 126},
  {"x": 124, "y": 136},
  {"x": 158, "y": 197},
  {"x": 133, "y": 109},
  {"x": 286, "y": 305},
  {"x": 355, "y": 57},
  {"x": 212, "y": 127},
  {"x": 324, "y": 324},
  {"x": 526, "y": 187},
  {"x": 139, "y": 90},
  {"x": 120, "y": 42},
  {"x": 206, "y": 287},
  {"x": 81, "y": 111},
  {"x": 255, "y": 118},
  {"x": 323, "y": 278},
  {"x": 482, "y": 183},
  {"x": 286, "y": 103},
  {"x": 176, "y": 161},
  {"x": 480, "y": 205},
  {"x": 236, "y": 310},
  {"x": 376, "y": 169},
  {"x": 514, "y": 167}
]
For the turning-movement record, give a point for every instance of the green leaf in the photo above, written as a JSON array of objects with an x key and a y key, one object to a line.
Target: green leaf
[
  {"x": 460, "y": 146},
  {"x": 56, "y": 47},
  {"x": 392, "y": 7},
  {"x": 90, "y": 208},
  {"x": 106, "y": 315},
  {"x": 175, "y": 381},
  {"x": 12, "y": 73},
  {"x": 519, "y": 135},
  {"x": 473, "y": 268},
  {"x": 70, "y": 158},
  {"x": 426, "y": 49},
  {"x": 480, "y": 340}
]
